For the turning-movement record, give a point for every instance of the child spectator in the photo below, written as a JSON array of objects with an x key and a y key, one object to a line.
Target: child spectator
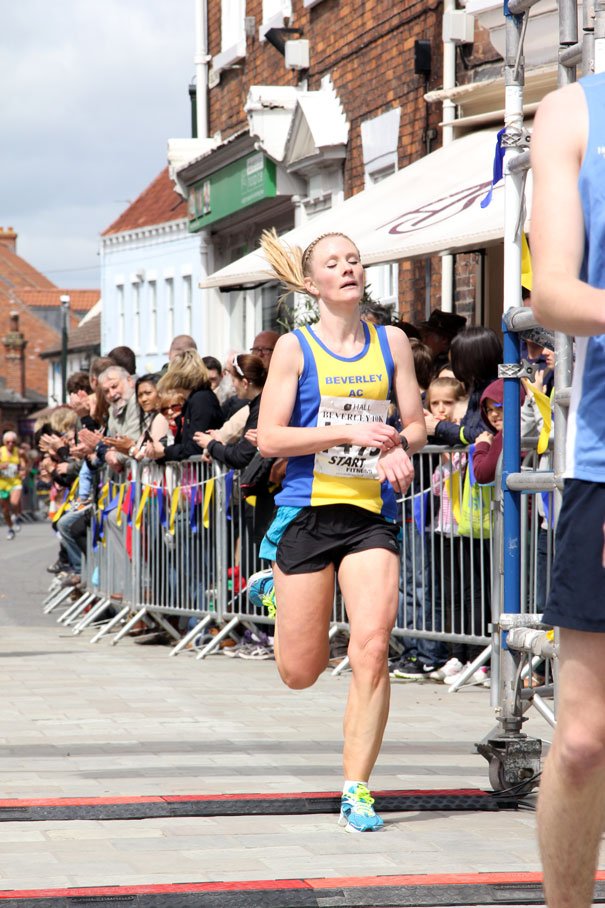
[
  {"x": 474, "y": 356},
  {"x": 488, "y": 445},
  {"x": 443, "y": 396},
  {"x": 475, "y": 592}
]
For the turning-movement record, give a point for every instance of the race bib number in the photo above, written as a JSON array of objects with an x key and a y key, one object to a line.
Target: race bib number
[
  {"x": 352, "y": 461},
  {"x": 11, "y": 470}
]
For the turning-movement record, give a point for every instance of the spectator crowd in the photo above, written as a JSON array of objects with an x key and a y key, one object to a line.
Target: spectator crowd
[{"x": 198, "y": 406}]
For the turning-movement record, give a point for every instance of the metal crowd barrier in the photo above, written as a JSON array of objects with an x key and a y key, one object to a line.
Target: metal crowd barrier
[{"x": 174, "y": 546}]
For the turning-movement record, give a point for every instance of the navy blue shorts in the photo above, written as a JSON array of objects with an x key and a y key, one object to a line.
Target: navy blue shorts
[
  {"x": 323, "y": 535},
  {"x": 577, "y": 591}
]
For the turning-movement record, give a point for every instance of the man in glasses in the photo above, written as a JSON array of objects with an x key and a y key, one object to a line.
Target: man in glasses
[
  {"x": 235, "y": 417},
  {"x": 263, "y": 346}
]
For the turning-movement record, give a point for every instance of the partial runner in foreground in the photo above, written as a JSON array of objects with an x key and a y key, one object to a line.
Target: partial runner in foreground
[
  {"x": 568, "y": 248},
  {"x": 324, "y": 407}
]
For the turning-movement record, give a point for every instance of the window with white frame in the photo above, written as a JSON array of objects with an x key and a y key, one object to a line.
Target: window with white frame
[
  {"x": 121, "y": 313},
  {"x": 274, "y": 14},
  {"x": 169, "y": 309},
  {"x": 380, "y": 140},
  {"x": 136, "y": 316},
  {"x": 153, "y": 315},
  {"x": 309, "y": 3},
  {"x": 233, "y": 34},
  {"x": 187, "y": 303},
  {"x": 383, "y": 280}
]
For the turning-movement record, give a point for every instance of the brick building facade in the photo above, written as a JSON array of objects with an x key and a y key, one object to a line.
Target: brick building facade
[
  {"x": 379, "y": 58},
  {"x": 28, "y": 306}
]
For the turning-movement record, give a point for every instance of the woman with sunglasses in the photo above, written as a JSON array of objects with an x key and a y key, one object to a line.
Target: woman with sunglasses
[{"x": 324, "y": 407}]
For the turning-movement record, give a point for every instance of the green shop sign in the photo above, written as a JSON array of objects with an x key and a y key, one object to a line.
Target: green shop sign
[{"x": 228, "y": 190}]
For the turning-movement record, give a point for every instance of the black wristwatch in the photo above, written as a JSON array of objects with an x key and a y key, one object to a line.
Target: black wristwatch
[{"x": 404, "y": 442}]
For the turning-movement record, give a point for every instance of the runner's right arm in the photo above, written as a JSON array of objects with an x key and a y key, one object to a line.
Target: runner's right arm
[
  {"x": 276, "y": 438},
  {"x": 559, "y": 298}
]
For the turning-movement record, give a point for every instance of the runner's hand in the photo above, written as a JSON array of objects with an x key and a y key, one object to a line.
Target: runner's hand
[
  {"x": 396, "y": 467},
  {"x": 375, "y": 435}
]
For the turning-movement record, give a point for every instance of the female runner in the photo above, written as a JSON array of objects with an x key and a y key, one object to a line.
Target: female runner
[{"x": 324, "y": 408}]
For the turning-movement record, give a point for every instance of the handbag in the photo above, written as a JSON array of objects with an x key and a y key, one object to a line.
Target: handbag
[
  {"x": 476, "y": 506},
  {"x": 255, "y": 476}
]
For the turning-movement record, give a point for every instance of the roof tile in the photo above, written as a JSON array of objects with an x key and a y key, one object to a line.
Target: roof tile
[
  {"x": 79, "y": 300},
  {"x": 157, "y": 204}
]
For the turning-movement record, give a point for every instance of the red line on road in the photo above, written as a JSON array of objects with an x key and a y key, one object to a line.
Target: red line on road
[
  {"x": 400, "y": 881},
  {"x": 255, "y": 796}
]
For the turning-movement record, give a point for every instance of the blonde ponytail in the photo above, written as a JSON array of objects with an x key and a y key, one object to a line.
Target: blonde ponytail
[
  {"x": 286, "y": 262},
  {"x": 290, "y": 263}
]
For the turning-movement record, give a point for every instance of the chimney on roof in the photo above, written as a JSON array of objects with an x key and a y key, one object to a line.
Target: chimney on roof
[
  {"x": 14, "y": 356},
  {"x": 8, "y": 238}
]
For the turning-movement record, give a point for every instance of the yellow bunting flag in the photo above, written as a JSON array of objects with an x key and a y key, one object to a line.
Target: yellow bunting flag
[
  {"x": 120, "y": 502},
  {"x": 526, "y": 269},
  {"x": 543, "y": 404},
  {"x": 142, "y": 503},
  {"x": 72, "y": 492},
  {"x": 208, "y": 491},
  {"x": 174, "y": 503},
  {"x": 103, "y": 497},
  {"x": 452, "y": 487}
]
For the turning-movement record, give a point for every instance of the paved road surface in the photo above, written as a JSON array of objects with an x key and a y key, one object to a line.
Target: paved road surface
[{"x": 84, "y": 720}]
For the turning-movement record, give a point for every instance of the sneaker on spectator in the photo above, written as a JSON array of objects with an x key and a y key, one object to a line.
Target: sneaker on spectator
[
  {"x": 412, "y": 669},
  {"x": 453, "y": 666},
  {"x": 480, "y": 676},
  {"x": 261, "y": 591},
  {"x": 257, "y": 651},
  {"x": 58, "y": 567},
  {"x": 249, "y": 641},
  {"x": 357, "y": 811}
]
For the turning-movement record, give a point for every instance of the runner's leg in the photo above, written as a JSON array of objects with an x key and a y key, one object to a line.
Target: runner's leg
[
  {"x": 571, "y": 804},
  {"x": 6, "y": 510},
  {"x": 369, "y": 584},
  {"x": 304, "y": 608}
]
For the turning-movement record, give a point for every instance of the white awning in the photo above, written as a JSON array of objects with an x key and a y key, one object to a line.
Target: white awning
[{"x": 430, "y": 207}]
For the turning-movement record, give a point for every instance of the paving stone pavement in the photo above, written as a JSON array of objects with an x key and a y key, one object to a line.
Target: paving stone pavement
[{"x": 96, "y": 720}]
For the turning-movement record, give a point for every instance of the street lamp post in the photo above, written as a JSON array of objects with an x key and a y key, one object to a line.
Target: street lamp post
[{"x": 64, "y": 334}]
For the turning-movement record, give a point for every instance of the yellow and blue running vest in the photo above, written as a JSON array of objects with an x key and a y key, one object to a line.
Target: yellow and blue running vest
[
  {"x": 334, "y": 390},
  {"x": 9, "y": 475}
]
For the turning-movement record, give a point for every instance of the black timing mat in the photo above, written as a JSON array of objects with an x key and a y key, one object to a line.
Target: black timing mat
[
  {"x": 139, "y": 808},
  {"x": 411, "y": 891}
]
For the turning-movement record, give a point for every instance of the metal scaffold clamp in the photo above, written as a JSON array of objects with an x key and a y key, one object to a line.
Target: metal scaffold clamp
[{"x": 524, "y": 369}]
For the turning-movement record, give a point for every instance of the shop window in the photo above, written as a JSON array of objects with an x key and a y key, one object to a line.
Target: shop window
[{"x": 273, "y": 317}]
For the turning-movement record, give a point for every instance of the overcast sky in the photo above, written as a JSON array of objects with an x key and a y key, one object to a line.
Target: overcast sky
[{"x": 91, "y": 92}]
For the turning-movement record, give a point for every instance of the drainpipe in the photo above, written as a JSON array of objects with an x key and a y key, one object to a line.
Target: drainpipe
[
  {"x": 202, "y": 60},
  {"x": 201, "y": 67},
  {"x": 449, "y": 115}
]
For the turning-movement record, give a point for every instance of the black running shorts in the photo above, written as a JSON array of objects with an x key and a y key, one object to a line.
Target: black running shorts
[
  {"x": 323, "y": 535},
  {"x": 577, "y": 591}
]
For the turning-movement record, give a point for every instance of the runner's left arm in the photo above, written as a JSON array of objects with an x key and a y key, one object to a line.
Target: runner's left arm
[{"x": 396, "y": 465}]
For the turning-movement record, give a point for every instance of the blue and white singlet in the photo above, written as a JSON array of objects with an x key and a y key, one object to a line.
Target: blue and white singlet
[
  {"x": 337, "y": 390},
  {"x": 585, "y": 453}
]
